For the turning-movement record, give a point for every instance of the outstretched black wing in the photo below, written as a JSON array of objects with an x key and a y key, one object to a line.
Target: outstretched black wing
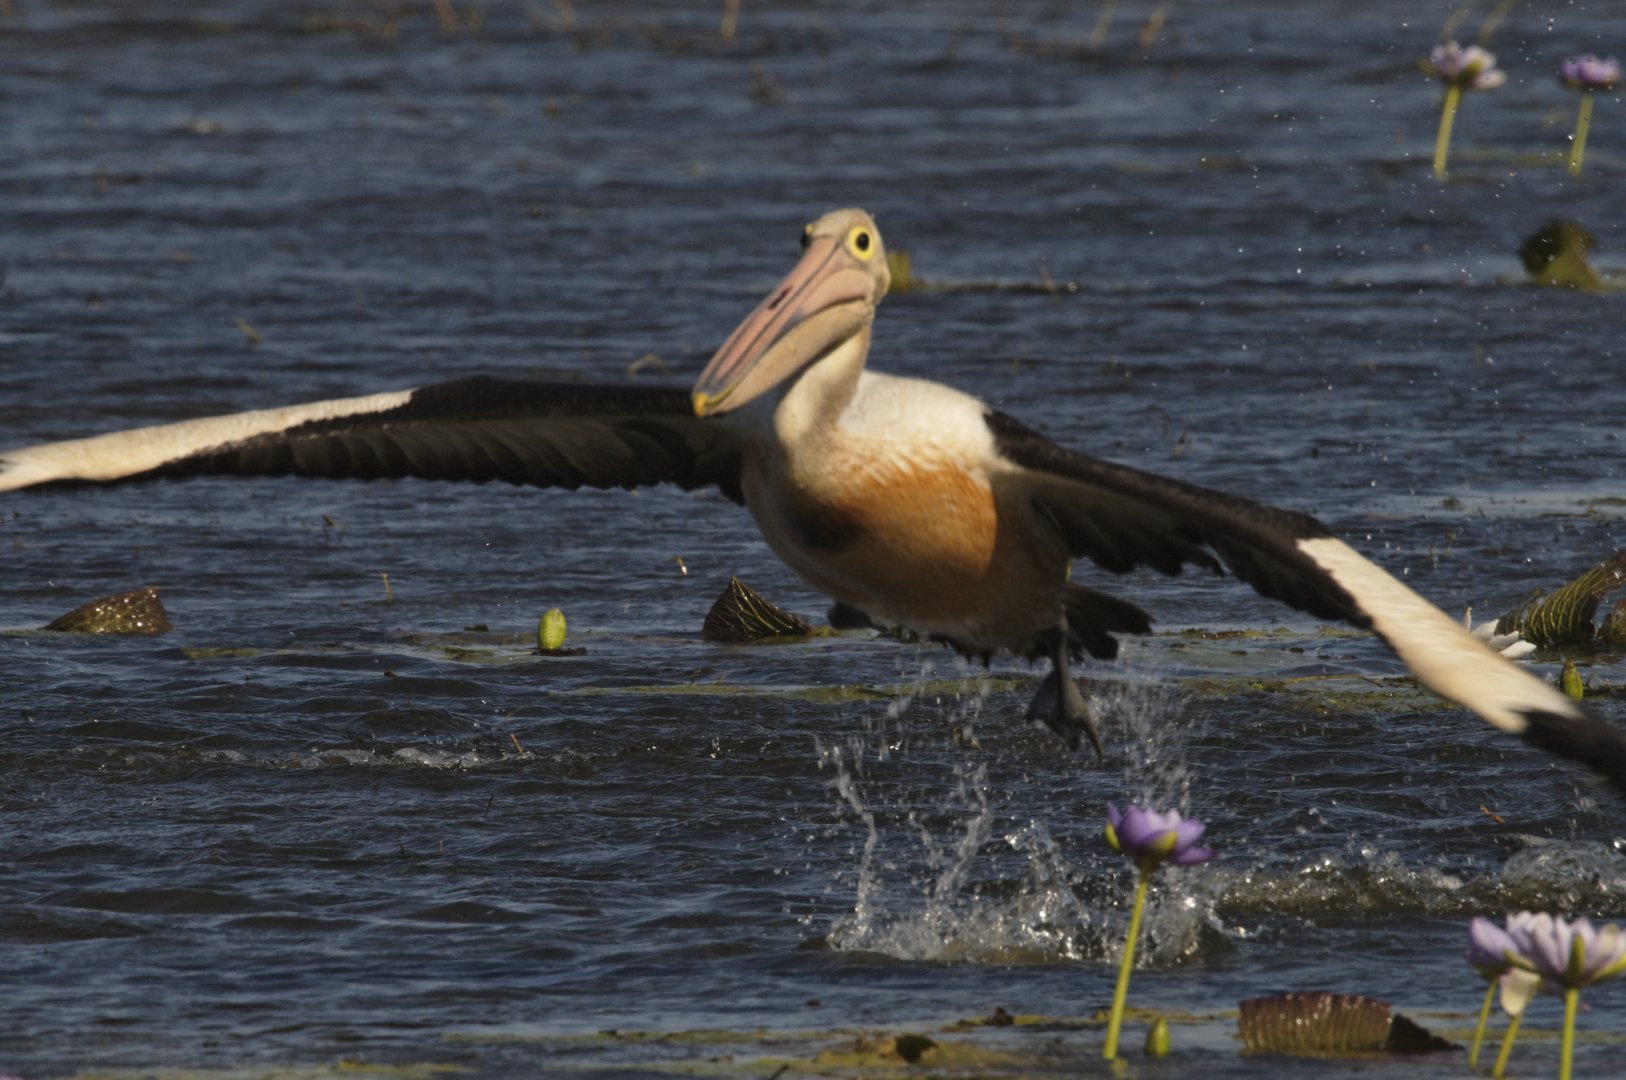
[
  {"x": 1121, "y": 518},
  {"x": 479, "y": 429}
]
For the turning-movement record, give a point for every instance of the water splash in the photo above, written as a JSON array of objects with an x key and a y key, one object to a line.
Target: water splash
[
  {"x": 1155, "y": 728},
  {"x": 933, "y": 883},
  {"x": 940, "y": 916}
]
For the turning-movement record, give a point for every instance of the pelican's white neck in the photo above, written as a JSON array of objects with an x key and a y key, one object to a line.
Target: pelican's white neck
[{"x": 815, "y": 399}]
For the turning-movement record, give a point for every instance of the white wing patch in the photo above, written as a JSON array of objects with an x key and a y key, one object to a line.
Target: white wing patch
[
  {"x": 1446, "y": 658},
  {"x": 126, "y": 453}
]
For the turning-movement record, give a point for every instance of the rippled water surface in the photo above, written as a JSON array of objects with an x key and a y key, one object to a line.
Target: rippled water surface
[{"x": 310, "y": 825}]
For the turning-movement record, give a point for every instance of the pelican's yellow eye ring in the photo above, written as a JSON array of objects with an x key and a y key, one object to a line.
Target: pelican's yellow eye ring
[
  {"x": 861, "y": 242},
  {"x": 807, "y": 235}
]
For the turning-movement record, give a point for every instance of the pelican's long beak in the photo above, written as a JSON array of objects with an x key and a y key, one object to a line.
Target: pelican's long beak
[{"x": 824, "y": 301}]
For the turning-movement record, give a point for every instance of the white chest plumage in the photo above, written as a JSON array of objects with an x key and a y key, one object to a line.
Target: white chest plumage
[{"x": 895, "y": 508}]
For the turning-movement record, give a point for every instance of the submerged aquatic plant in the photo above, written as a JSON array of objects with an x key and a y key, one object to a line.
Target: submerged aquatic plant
[
  {"x": 1567, "y": 956},
  {"x": 1586, "y": 74},
  {"x": 1460, "y": 69},
  {"x": 1150, "y": 839},
  {"x": 1490, "y": 952}
]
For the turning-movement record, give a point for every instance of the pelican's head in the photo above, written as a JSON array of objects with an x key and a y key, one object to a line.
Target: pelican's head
[{"x": 826, "y": 300}]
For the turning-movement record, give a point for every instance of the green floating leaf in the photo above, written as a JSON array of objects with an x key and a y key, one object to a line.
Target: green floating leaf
[
  {"x": 1565, "y": 616},
  {"x": 740, "y": 614},
  {"x": 136, "y": 612},
  {"x": 1555, "y": 254},
  {"x": 910, "y": 1047},
  {"x": 898, "y": 265}
]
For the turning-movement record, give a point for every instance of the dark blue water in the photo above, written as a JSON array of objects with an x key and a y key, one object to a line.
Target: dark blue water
[{"x": 310, "y": 825}]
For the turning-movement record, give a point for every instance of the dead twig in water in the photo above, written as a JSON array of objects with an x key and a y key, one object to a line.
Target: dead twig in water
[
  {"x": 448, "y": 17},
  {"x": 648, "y": 360},
  {"x": 388, "y": 598},
  {"x": 1103, "y": 23},
  {"x": 1049, "y": 286},
  {"x": 1154, "y": 26}
]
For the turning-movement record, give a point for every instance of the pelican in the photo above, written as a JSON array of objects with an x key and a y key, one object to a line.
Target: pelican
[{"x": 906, "y": 502}]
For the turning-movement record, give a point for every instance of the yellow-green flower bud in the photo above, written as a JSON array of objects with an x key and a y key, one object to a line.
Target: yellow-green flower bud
[{"x": 550, "y": 633}]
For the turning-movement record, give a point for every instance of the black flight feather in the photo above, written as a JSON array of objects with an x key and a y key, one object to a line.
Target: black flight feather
[
  {"x": 1120, "y": 518},
  {"x": 482, "y": 429}
]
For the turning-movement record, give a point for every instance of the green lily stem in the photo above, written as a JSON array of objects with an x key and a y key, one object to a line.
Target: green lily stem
[
  {"x": 1582, "y": 122},
  {"x": 1115, "y": 1021},
  {"x": 1572, "y": 996},
  {"x": 1507, "y": 1047},
  {"x": 1479, "y": 1032},
  {"x": 1442, "y": 144}
]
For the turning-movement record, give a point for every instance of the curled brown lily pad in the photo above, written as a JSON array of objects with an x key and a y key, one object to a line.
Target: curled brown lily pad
[
  {"x": 136, "y": 612},
  {"x": 1318, "y": 1022},
  {"x": 741, "y": 614},
  {"x": 1564, "y": 616}
]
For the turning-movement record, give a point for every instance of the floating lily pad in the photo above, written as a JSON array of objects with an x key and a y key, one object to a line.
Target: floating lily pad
[
  {"x": 1612, "y": 634},
  {"x": 1314, "y": 1022},
  {"x": 136, "y": 612},
  {"x": 910, "y": 1047},
  {"x": 898, "y": 266},
  {"x": 1318, "y": 1022},
  {"x": 741, "y": 614},
  {"x": 1555, "y": 254}
]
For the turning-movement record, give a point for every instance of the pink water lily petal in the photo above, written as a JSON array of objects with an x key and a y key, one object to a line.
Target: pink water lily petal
[
  {"x": 1571, "y": 954},
  {"x": 1192, "y": 856},
  {"x": 1488, "y": 947},
  {"x": 1152, "y": 838},
  {"x": 1589, "y": 73},
  {"x": 1468, "y": 69},
  {"x": 1140, "y": 830}
]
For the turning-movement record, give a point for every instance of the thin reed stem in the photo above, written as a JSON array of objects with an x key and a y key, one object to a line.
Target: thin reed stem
[
  {"x": 1115, "y": 1021},
  {"x": 1507, "y": 1047},
  {"x": 1572, "y": 996},
  {"x": 1442, "y": 143},
  {"x": 1582, "y": 122},
  {"x": 1479, "y": 1032}
]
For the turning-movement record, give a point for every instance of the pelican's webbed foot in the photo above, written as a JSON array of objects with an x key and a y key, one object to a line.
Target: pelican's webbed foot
[{"x": 1058, "y": 702}]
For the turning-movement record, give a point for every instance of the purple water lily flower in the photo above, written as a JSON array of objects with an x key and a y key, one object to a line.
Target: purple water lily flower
[
  {"x": 1589, "y": 73},
  {"x": 1151, "y": 838},
  {"x": 1467, "y": 69},
  {"x": 1489, "y": 946},
  {"x": 1569, "y": 955}
]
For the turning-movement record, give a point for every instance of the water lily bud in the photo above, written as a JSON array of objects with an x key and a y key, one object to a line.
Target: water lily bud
[
  {"x": 1571, "y": 680},
  {"x": 1157, "y": 1038},
  {"x": 550, "y": 633}
]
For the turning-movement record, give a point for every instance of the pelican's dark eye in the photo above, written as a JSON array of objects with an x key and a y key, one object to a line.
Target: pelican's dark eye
[
  {"x": 807, "y": 236},
  {"x": 861, "y": 242}
]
